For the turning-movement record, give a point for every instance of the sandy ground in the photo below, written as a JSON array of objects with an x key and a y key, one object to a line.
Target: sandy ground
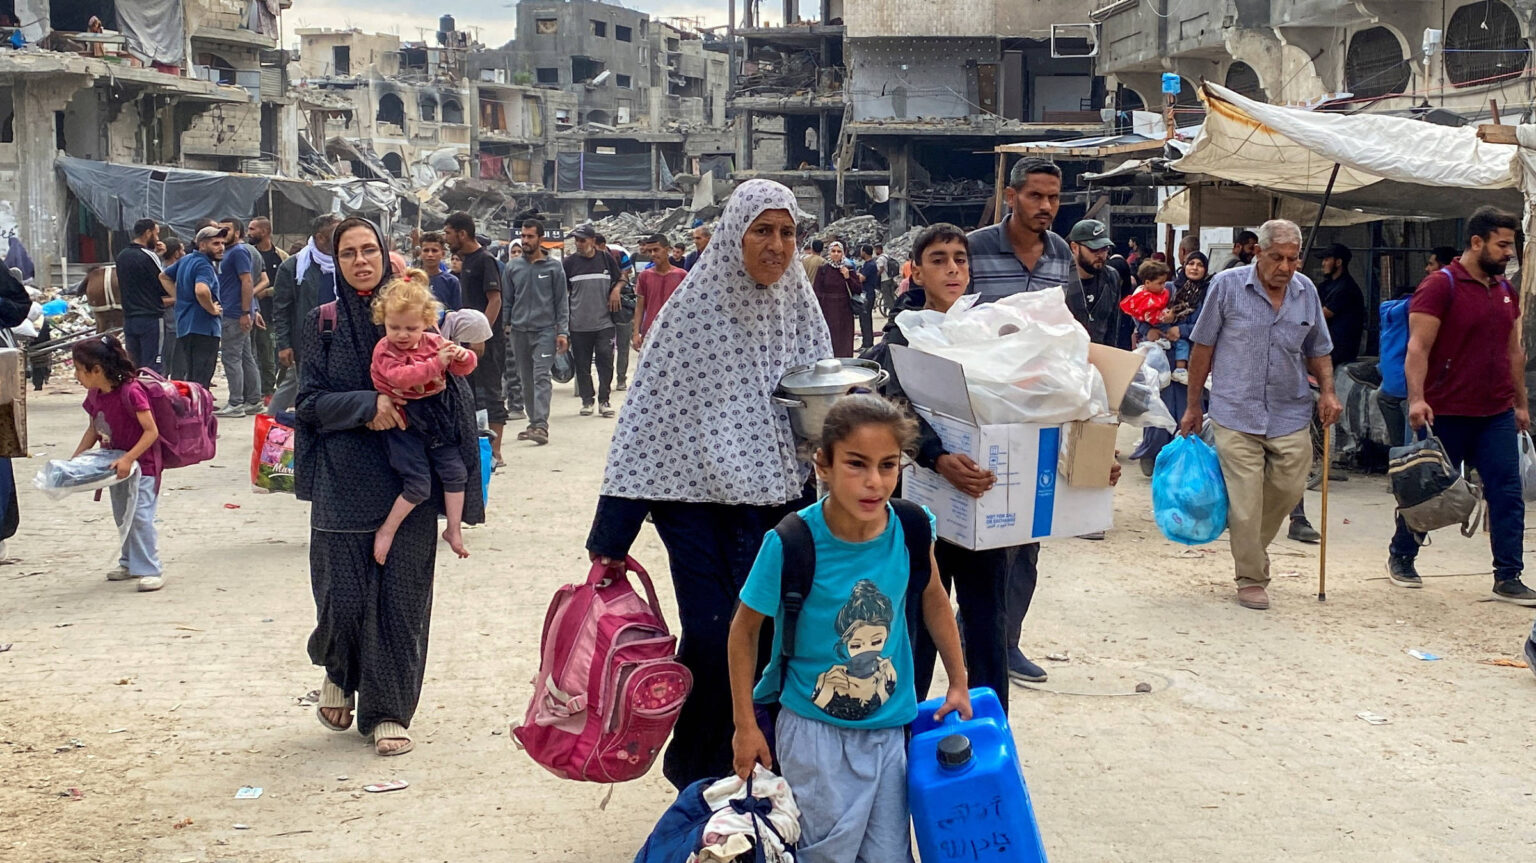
[{"x": 158, "y": 707}]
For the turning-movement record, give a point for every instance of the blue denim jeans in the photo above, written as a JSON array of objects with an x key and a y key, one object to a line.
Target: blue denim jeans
[
  {"x": 140, "y": 549},
  {"x": 1489, "y": 445}
]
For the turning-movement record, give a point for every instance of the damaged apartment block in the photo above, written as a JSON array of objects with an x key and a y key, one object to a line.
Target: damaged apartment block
[
  {"x": 894, "y": 108},
  {"x": 195, "y": 84}
]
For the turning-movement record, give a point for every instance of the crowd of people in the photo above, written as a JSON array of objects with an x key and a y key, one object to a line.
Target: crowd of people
[{"x": 392, "y": 373}]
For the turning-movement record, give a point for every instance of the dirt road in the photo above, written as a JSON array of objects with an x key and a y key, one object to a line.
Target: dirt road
[{"x": 156, "y": 708}]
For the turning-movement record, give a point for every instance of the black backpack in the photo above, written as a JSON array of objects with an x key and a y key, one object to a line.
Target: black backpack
[{"x": 800, "y": 570}]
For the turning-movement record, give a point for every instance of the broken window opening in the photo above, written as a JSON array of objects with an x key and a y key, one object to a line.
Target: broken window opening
[
  {"x": 221, "y": 71},
  {"x": 341, "y": 60},
  {"x": 493, "y": 116},
  {"x": 453, "y": 112},
  {"x": 600, "y": 29},
  {"x": 391, "y": 110},
  {"x": 74, "y": 16},
  {"x": 1483, "y": 45},
  {"x": 623, "y": 34},
  {"x": 395, "y": 164},
  {"x": 1375, "y": 65},
  {"x": 1243, "y": 80},
  {"x": 584, "y": 69},
  {"x": 548, "y": 76},
  {"x": 547, "y": 26},
  {"x": 625, "y": 81},
  {"x": 428, "y": 109}
]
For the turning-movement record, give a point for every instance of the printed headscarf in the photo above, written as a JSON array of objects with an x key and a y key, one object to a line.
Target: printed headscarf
[{"x": 699, "y": 423}]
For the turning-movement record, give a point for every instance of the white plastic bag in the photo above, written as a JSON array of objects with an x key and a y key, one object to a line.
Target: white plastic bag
[
  {"x": 1142, "y": 406},
  {"x": 1527, "y": 466},
  {"x": 1157, "y": 358},
  {"x": 88, "y": 471},
  {"x": 1025, "y": 357}
]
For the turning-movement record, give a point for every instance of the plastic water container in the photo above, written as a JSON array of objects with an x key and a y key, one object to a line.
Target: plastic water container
[
  {"x": 966, "y": 789},
  {"x": 486, "y": 463}
]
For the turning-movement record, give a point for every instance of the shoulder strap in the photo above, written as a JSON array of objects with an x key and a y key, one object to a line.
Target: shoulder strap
[
  {"x": 326, "y": 322},
  {"x": 795, "y": 579},
  {"x": 917, "y": 533}
]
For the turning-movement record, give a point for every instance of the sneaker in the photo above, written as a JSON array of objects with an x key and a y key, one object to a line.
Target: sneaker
[
  {"x": 230, "y": 410},
  {"x": 604, "y": 410},
  {"x": 621, "y": 385},
  {"x": 1530, "y": 653},
  {"x": 151, "y": 582},
  {"x": 1180, "y": 376},
  {"x": 1514, "y": 590},
  {"x": 586, "y": 409},
  {"x": 539, "y": 436},
  {"x": 1303, "y": 531},
  {"x": 1402, "y": 573},
  {"x": 120, "y": 574},
  {"x": 1022, "y": 670},
  {"x": 517, "y": 414}
]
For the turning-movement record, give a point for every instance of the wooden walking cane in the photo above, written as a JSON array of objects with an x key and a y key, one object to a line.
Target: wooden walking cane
[{"x": 1322, "y": 546}]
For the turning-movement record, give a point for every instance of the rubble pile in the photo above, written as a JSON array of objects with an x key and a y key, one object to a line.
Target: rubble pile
[
  {"x": 900, "y": 248},
  {"x": 628, "y": 229},
  {"x": 853, "y": 232}
]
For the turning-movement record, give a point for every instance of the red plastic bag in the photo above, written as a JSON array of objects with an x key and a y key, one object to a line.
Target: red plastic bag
[
  {"x": 272, "y": 455},
  {"x": 1145, "y": 306}
]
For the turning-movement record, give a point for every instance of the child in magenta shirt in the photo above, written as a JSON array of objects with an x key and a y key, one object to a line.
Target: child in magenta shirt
[
  {"x": 410, "y": 365},
  {"x": 120, "y": 418}
]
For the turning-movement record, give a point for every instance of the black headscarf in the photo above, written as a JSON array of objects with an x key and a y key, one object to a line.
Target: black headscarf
[
  {"x": 1188, "y": 294},
  {"x": 340, "y": 464}
]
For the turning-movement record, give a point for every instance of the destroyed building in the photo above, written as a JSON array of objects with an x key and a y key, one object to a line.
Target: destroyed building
[
  {"x": 189, "y": 84},
  {"x": 894, "y": 106}
]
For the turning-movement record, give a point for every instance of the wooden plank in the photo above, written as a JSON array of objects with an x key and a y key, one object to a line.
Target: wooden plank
[{"x": 1490, "y": 133}]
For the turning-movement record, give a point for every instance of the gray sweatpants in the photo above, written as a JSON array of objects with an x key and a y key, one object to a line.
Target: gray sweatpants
[
  {"x": 851, "y": 786},
  {"x": 238, "y": 354},
  {"x": 533, "y": 354}
]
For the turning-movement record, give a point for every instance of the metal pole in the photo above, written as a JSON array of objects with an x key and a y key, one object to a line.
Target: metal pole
[
  {"x": 1322, "y": 546},
  {"x": 1321, "y": 208}
]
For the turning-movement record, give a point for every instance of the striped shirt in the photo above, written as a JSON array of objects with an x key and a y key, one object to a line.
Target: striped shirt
[
  {"x": 1259, "y": 363},
  {"x": 996, "y": 272}
]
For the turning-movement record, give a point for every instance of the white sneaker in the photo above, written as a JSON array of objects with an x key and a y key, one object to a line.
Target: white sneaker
[
  {"x": 230, "y": 410},
  {"x": 120, "y": 574},
  {"x": 151, "y": 582},
  {"x": 1181, "y": 376}
]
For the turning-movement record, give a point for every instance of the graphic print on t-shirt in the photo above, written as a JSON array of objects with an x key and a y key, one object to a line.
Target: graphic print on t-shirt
[{"x": 859, "y": 685}]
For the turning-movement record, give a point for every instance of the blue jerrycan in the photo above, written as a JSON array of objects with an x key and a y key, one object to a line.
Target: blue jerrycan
[{"x": 966, "y": 789}]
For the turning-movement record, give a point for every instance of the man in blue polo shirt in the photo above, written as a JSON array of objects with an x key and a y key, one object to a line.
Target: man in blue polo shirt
[
  {"x": 240, "y": 278},
  {"x": 197, "y": 307}
]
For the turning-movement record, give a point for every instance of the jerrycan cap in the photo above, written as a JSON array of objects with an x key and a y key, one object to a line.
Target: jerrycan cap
[{"x": 954, "y": 751}]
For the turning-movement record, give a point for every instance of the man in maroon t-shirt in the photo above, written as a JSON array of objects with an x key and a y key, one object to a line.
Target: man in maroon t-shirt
[
  {"x": 1466, "y": 377},
  {"x": 656, "y": 285}
]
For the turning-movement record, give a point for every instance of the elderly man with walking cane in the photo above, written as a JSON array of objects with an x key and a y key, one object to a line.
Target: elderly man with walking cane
[{"x": 1261, "y": 332}]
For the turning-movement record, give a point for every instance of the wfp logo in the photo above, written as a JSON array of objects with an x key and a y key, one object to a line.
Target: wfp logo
[{"x": 1046, "y": 480}]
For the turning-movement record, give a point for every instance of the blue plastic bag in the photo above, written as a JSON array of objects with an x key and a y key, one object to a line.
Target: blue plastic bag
[{"x": 1189, "y": 496}]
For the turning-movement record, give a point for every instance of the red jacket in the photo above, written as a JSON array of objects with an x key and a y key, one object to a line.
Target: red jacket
[{"x": 414, "y": 374}]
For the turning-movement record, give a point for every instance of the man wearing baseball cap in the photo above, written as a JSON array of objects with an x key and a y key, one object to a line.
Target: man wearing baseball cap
[{"x": 1093, "y": 294}]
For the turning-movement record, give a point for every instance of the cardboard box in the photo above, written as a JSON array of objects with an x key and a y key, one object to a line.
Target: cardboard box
[
  {"x": 1087, "y": 453},
  {"x": 13, "y": 403},
  {"x": 1031, "y": 500}
]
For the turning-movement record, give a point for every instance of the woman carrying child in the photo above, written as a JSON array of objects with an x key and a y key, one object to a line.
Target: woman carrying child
[
  {"x": 411, "y": 365},
  {"x": 1183, "y": 310},
  {"x": 120, "y": 418},
  {"x": 847, "y": 693},
  {"x": 372, "y": 619}
]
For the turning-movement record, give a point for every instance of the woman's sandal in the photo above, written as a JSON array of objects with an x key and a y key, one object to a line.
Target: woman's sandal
[
  {"x": 388, "y": 730},
  {"x": 331, "y": 698}
]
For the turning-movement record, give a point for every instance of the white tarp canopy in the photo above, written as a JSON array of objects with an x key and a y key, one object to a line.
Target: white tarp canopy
[{"x": 1385, "y": 162}]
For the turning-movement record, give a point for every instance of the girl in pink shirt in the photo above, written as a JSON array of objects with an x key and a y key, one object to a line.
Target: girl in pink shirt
[{"x": 410, "y": 365}]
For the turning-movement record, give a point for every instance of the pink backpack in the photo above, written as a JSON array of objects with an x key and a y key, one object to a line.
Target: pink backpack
[
  {"x": 610, "y": 686},
  {"x": 184, "y": 417}
]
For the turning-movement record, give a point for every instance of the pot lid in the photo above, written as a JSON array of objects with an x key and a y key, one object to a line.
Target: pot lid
[{"x": 829, "y": 377}]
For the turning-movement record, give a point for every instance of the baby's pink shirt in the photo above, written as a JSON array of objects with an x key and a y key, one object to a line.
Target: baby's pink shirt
[{"x": 415, "y": 374}]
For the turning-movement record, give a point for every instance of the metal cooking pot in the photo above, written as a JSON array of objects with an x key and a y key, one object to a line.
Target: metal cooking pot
[{"x": 809, "y": 391}]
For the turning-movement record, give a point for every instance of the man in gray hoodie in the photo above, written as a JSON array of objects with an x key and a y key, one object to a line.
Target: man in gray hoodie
[{"x": 539, "y": 322}]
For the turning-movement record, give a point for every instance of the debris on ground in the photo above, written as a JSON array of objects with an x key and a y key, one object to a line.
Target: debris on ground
[
  {"x": 1063, "y": 656},
  {"x": 381, "y": 787},
  {"x": 1143, "y": 688},
  {"x": 74, "y": 743},
  {"x": 248, "y": 792},
  {"x": 1503, "y": 663},
  {"x": 1421, "y": 654},
  {"x": 1372, "y": 718}
]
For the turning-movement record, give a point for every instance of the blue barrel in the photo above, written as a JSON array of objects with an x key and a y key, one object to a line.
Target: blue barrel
[
  {"x": 966, "y": 789},
  {"x": 486, "y": 463}
]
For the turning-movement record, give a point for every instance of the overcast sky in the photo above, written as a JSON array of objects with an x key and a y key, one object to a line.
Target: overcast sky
[{"x": 495, "y": 21}]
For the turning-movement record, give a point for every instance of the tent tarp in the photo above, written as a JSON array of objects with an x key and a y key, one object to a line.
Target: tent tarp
[
  {"x": 1294, "y": 150},
  {"x": 155, "y": 29},
  {"x": 1240, "y": 206},
  {"x": 629, "y": 172},
  {"x": 119, "y": 195}
]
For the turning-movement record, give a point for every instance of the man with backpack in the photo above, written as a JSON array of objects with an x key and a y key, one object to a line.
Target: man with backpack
[{"x": 1465, "y": 373}]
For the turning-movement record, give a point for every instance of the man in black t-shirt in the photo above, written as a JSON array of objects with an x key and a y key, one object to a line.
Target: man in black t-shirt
[
  {"x": 480, "y": 287},
  {"x": 259, "y": 234},
  {"x": 1343, "y": 304},
  {"x": 143, "y": 297}
]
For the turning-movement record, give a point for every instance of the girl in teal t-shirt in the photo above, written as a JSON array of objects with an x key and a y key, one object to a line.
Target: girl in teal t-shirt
[{"x": 847, "y": 693}]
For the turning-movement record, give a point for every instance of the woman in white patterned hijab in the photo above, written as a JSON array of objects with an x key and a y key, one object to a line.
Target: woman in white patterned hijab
[{"x": 703, "y": 450}]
